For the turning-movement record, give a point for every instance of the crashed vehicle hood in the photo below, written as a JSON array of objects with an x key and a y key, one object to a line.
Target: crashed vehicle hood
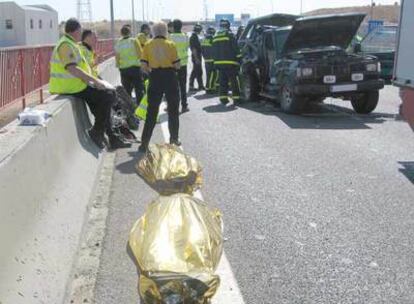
[
  {"x": 275, "y": 20},
  {"x": 323, "y": 31}
]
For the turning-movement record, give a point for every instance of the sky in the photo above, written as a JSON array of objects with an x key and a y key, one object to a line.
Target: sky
[{"x": 193, "y": 9}]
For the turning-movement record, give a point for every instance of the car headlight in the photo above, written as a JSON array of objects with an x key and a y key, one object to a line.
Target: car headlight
[
  {"x": 372, "y": 67},
  {"x": 304, "y": 72}
]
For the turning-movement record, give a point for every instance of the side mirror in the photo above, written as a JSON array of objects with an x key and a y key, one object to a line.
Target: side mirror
[{"x": 357, "y": 48}]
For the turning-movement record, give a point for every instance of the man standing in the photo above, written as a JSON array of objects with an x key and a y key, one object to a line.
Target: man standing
[
  {"x": 144, "y": 35},
  {"x": 207, "y": 51},
  {"x": 160, "y": 60},
  {"x": 195, "y": 46},
  {"x": 227, "y": 58},
  {"x": 182, "y": 43},
  {"x": 70, "y": 74},
  {"x": 128, "y": 55}
]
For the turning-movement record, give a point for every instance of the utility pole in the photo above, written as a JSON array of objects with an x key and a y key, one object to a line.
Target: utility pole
[
  {"x": 134, "y": 32},
  {"x": 112, "y": 20},
  {"x": 301, "y": 7},
  {"x": 272, "y": 6}
]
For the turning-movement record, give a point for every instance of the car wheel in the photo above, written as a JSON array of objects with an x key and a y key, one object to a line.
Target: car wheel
[
  {"x": 365, "y": 103},
  {"x": 290, "y": 102},
  {"x": 249, "y": 87}
]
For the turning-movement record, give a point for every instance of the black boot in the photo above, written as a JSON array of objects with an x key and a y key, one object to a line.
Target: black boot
[
  {"x": 175, "y": 142},
  {"x": 97, "y": 137},
  {"x": 116, "y": 143}
]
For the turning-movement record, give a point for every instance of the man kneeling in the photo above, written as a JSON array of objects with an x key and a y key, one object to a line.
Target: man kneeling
[{"x": 70, "y": 74}]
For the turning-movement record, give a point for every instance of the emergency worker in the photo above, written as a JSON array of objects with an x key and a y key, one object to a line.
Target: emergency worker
[
  {"x": 195, "y": 46},
  {"x": 160, "y": 60},
  {"x": 207, "y": 52},
  {"x": 182, "y": 44},
  {"x": 128, "y": 56},
  {"x": 70, "y": 74},
  {"x": 87, "y": 47},
  {"x": 144, "y": 35},
  {"x": 227, "y": 56}
]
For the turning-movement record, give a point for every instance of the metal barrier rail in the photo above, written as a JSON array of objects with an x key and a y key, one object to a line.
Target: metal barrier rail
[{"x": 25, "y": 70}]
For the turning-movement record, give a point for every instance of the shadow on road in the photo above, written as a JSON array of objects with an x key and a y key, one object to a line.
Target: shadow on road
[
  {"x": 128, "y": 167},
  {"x": 407, "y": 170},
  {"x": 219, "y": 108},
  {"x": 204, "y": 96},
  {"x": 321, "y": 116}
]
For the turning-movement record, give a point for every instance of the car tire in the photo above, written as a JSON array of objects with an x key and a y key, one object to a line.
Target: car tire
[
  {"x": 366, "y": 102},
  {"x": 290, "y": 102},
  {"x": 249, "y": 87}
]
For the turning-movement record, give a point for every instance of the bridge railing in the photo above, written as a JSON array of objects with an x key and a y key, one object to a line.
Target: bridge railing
[{"x": 25, "y": 71}]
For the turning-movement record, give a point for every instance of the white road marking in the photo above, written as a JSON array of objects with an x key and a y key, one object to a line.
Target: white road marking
[{"x": 229, "y": 291}]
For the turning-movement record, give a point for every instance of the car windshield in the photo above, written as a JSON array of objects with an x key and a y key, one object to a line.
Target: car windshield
[{"x": 381, "y": 40}]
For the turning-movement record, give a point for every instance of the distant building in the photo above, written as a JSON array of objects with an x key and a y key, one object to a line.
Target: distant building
[{"x": 27, "y": 24}]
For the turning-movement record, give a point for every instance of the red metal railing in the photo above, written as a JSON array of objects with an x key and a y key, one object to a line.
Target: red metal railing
[{"x": 25, "y": 70}]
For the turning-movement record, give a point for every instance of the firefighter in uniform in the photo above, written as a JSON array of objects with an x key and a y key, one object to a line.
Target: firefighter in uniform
[
  {"x": 128, "y": 55},
  {"x": 196, "y": 57},
  {"x": 70, "y": 74},
  {"x": 160, "y": 60},
  {"x": 144, "y": 35},
  {"x": 206, "y": 50},
  {"x": 87, "y": 47},
  {"x": 227, "y": 56},
  {"x": 182, "y": 43}
]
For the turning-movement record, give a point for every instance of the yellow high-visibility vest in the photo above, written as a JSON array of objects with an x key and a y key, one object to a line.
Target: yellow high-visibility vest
[
  {"x": 126, "y": 49},
  {"x": 182, "y": 43},
  {"x": 61, "y": 81},
  {"x": 141, "y": 110},
  {"x": 90, "y": 57}
]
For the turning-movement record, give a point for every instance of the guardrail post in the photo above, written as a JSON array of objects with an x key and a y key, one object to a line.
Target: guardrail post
[
  {"x": 40, "y": 74},
  {"x": 22, "y": 78}
]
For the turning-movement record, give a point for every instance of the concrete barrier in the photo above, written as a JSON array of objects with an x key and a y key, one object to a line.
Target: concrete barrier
[{"x": 47, "y": 176}]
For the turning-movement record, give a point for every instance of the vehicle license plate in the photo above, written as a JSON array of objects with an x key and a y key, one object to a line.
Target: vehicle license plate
[{"x": 344, "y": 88}]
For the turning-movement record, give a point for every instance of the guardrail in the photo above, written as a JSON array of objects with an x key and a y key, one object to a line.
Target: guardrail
[{"x": 25, "y": 70}]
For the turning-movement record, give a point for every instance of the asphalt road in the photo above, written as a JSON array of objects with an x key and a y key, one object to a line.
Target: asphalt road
[{"x": 317, "y": 208}]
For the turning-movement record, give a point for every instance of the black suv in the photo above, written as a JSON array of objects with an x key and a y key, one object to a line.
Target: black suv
[{"x": 301, "y": 60}]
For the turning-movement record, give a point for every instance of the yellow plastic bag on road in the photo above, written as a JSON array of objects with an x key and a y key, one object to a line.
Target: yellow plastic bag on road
[
  {"x": 178, "y": 245},
  {"x": 168, "y": 170}
]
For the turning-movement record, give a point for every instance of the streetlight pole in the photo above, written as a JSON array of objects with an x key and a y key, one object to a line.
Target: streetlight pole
[
  {"x": 112, "y": 20},
  {"x": 133, "y": 18},
  {"x": 143, "y": 10},
  {"x": 372, "y": 9}
]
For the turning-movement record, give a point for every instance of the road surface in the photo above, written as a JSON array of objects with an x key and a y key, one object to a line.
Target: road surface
[{"x": 317, "y": 208}]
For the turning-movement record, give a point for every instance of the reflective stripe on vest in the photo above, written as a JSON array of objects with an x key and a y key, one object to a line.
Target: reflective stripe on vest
[
  {"x": 218, "y": 39},
  {"x": 222, "y": 62},
  {"x": 182, "y": 43},
  {"x": 127, "y": 52},
  {"x": 61, "y": 81}
]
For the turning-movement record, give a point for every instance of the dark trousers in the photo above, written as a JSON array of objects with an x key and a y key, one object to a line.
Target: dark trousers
[
  {"x": 229, "y": 74},
  {"x": 162, "y": 81},
  {"x": 212, "y": 76},
  {"x": 131, "y": 79},
  {"x": 196, "y": 74},
  {"x": 182, "y": 80},
  {"x": 100, "y": 103}
]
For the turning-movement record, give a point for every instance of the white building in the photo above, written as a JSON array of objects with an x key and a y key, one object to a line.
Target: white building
[{"x": 27, "y": 24}]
